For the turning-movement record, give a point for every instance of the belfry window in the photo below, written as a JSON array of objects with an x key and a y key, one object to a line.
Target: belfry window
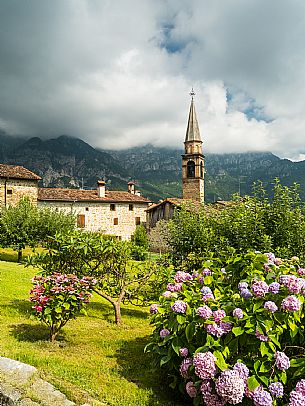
[
  {"x": 201, "y": 169},
  {"x": 191, "y": 169}
]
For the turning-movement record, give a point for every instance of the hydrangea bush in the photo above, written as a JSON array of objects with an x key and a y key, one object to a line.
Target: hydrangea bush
[
  {"x": 234, "y": 335},
  {"x": 57, "y": 298}
]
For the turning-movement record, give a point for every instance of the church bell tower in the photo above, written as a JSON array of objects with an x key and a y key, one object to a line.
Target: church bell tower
[{"x": 193, "y": 159}]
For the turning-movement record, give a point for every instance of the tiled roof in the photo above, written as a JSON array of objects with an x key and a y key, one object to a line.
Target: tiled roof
[
  {"x": 17, "y": 172},
  {"x": 72, "y": 195},
  {"x": 176, "y": 202}
]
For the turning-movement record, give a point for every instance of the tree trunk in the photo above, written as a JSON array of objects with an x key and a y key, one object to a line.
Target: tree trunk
[
  {"x": 19, "y": 255},
  {"x": 117, "y": 312}
]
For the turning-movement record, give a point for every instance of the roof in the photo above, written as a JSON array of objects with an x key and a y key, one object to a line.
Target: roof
[
  {"x": 176, "y": 202},
  {"x": 77, "y": 195},
  {"x": 192, "y": 132},
  {"x": 17, "y": 172}
]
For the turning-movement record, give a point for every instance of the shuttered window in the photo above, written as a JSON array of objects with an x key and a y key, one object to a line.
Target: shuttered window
[{"x": 81, "y": 220}]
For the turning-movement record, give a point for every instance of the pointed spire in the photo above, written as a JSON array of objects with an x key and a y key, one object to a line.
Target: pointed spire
[{"x": 192, "y": 132}]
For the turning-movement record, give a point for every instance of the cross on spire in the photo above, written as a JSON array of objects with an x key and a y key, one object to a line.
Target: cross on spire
[{"x": 192, "y": 93}]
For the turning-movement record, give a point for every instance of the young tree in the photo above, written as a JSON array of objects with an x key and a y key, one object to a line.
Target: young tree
[
  {"x": 27, "y": 225},
  {"x": 101, "y": 257}
]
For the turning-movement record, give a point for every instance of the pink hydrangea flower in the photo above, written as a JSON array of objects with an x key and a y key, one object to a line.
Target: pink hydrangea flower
[
  {"x": 301, "y": 271},
  {"x": 261, "y": 336},
  {"x": 204, "y": 311},
  {"x": 182, "y": 277},
  {"x": 174, "y": 287},
  {"x": 230, "y": 387},
  {"x": 191, "y": 389},
  {"x": 300, "y": 387},
  {"x": 296, "y": 399},
  {"x": 154, "y": 308},
  {"x": 261, "y": 397},
  {"x": 270, "y": 306},
  {"x": 204, "y": 363},
  {"x": 281, "y": 361},
  {"x": 183, "y": 352},
  {"x": 291, "y": 304},
  {"x": 238, "y": 313},
  {"x": 179, "y": 306},
  {"x": 206, "y": 272},
  {"x": 164, "y": 333},
  {"x": 219, "y": 315},
  {"x": 259, "y": 288},
  {"x": 184, "y": 367}
]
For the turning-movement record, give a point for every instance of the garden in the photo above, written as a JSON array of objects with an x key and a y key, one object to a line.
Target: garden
[{"x": 226, "y": 305}]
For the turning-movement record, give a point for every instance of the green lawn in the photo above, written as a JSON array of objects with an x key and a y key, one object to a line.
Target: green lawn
[{"x": 93, "y": 359}]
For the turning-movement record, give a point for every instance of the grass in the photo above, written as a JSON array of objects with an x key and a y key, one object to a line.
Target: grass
[{"x": 93, "y": 359}]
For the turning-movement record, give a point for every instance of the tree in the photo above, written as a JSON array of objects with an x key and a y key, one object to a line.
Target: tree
[
  {"x": 27, "y": 225},
  {"x": 104, "y": 258}
]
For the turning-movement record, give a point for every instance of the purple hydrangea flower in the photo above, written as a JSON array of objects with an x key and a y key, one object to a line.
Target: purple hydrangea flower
[
  {"x": 301, "y": 271},
  {"x": 238, "y": 313},
  {"x": 245, "y": 293},
  {"x": 211, "y": 399},
  {"x": 261, "y": 336},
  {"x": 184, "y": 352},
  {"x": 182, "y": 277},
  {"x": 291, "y": 304},
  {"x": 270, "y": 306},
  {"x": 271, "y": 257},
  {"x": 230, "y": 387},
  {"x": 296, "y": 399},
  {"x": 242, "y": 285},
  {"x": 153, "y": 308},
  {"x": 242, "y": 370},
  {"x": 300, "y": 387},
  {"x": 208, "y": 297},
  {"x": 266, "y": 267},
  {"x": 195, "y": 275},
  {"x": 206, "y": 387},
  {"x": 276, "y": 389},
  {"x": 204, "y": 363},
  {"x": 226, "y": 326},
  {"x": 219, "y": 315},
  {"x": 261, "y": 397},
  {"x": 284, "y": 279},
  {"x": 214, "y": 329},
  {"x": 206, "y": 272},
  {"x": 174, "y": 287},
  {"x": 274, "y": 288},
  {"x": 191, "y": 389},
  {"x": 206, "y": 290},
  {"x": 164, "y": 332},
  {"x": 204, "y": 311},
  {"x": 179, "y": 306},
  {"x": 281, "y": 361},
  {"x": 259, "y": 288},
  {"x": 184, "y": 367}
]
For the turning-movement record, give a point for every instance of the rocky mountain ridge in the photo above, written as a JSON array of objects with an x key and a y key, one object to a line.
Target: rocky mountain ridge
[{"x": 70, "y": 162}]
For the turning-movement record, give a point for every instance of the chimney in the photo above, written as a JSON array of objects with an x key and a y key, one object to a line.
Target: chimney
[
  {"x": 101, "y": 188},
  {"x": 131, "y": 188}
]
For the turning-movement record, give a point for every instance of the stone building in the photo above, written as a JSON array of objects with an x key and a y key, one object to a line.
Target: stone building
[
  {"x": 112, "y": 212},
  {"x": 192, "y": 175},
  {"x": 17, "y": 182}
]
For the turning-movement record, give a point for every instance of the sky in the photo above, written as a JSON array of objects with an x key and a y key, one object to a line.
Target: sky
[{"x": 118, "y": 74}]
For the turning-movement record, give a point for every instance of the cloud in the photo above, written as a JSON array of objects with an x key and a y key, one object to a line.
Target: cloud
[{"x": 117, "y": 74}]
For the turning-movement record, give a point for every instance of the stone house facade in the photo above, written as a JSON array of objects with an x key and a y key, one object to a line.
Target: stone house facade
[
  {"x": 17, "y": 182},
  {"x": 111, "y": 212}
]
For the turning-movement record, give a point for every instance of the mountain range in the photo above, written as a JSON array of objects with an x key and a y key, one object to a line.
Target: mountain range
[{"x": 70, "y": 162}]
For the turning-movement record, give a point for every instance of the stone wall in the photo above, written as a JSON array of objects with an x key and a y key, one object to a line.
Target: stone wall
[
  {"x": 99, "y": 216},
  {"x": 193, "y": 189},
  {"x": 16, "y": 189}
]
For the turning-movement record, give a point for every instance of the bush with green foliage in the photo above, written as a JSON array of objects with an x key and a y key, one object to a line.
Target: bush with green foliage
[
  {"x": 57, "y": 298},
  {"x": 252, "y": 222},
  {"x": 27, "y": 225},
  {"x": 104, "y": 258},
  {"x": 233, "y": 333}
]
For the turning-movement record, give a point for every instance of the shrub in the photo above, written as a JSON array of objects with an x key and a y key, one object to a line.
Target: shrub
[
  {"x": 228, "y": 334},
  {"x": 58, "y": 298}
]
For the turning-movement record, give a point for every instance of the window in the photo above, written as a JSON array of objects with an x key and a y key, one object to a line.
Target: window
[
  {"x": 80, "y": 220},
  {"x": 115, "y": 221},
  {"x": 131, "y": 207},
  {"x": 191, "y": 169},
  {"x": 201, "y": 169},
  {"x": 9, "y": 192},
  {"x": 112, "y": 207},
  {"x": 87, "y": 208},
  {"x": 138, "y": 220}
]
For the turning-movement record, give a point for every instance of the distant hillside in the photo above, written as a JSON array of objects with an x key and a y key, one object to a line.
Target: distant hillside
[{"x": 70, "y": 162}]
